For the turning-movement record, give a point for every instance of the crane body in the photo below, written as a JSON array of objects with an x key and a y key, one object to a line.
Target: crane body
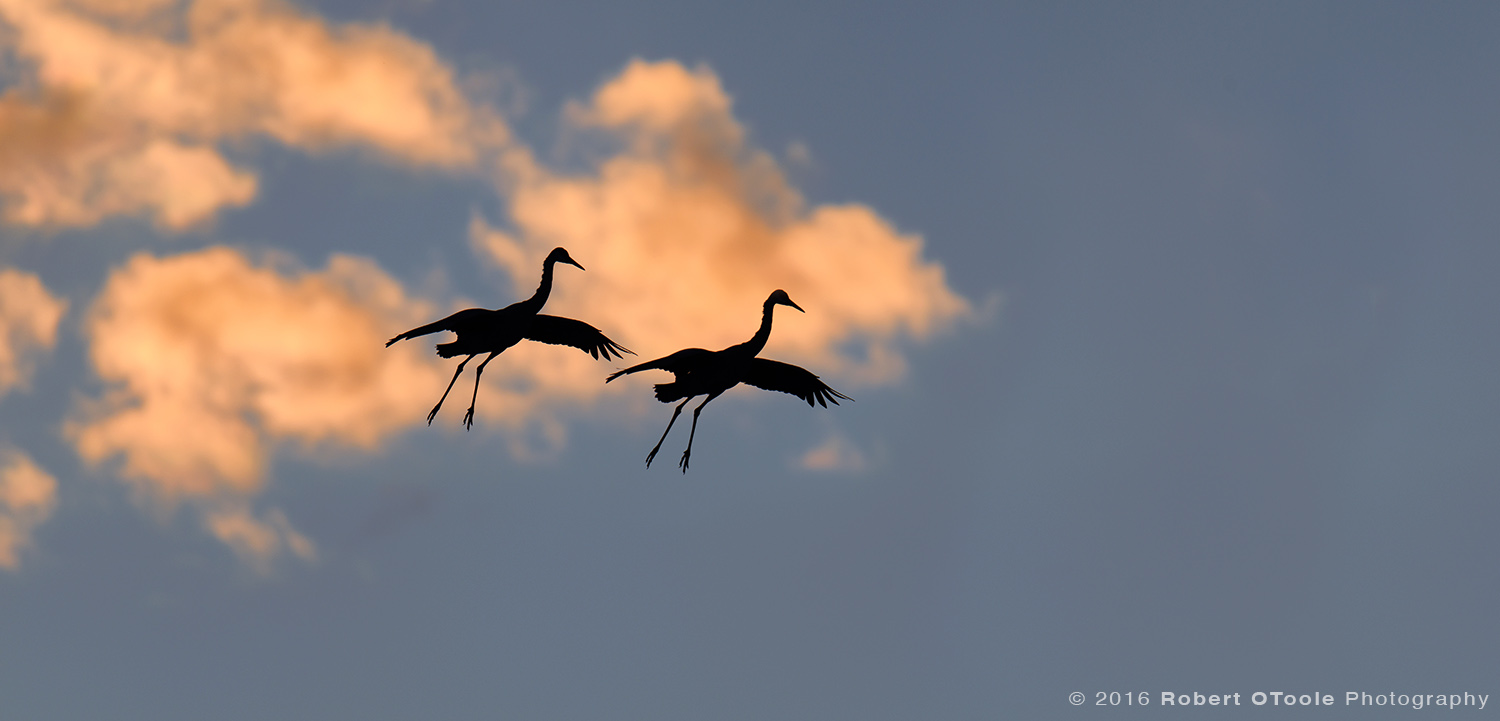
[
  {"x": 481, "y": 330},
  {"x": 710, "y": 373}
]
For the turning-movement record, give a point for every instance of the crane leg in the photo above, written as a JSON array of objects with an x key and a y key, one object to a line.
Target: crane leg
[
  {"x": 435, "y": 408},
  {"x": 652, "y": 454},
  {"x": 689, "y": 452},
  {"x": 469, "y": 417}
]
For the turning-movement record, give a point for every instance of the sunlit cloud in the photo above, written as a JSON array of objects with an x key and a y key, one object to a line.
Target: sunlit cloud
[
  {"x": 215, "y": 361},
  {"x": 259, "y": 542},
  {"x": 123, "y": 108},
  {"x": 210, "y": 358},
  {"x": 685, "y": 231},
  {"x": 835, "y": 453},
  {"x": 28, "y": 495},
  {"x": 212, "y": 362},
  {"x": 29, "y": 315}
]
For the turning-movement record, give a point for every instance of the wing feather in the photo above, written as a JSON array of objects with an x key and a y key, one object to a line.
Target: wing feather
[
  {"x": 566, "y": 331},
  {"x": 787, "y": 378}
]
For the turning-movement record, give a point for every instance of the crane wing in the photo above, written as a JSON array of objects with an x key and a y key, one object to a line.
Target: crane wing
[
  {"x": 576, "y": 333},
  {"x": 787, "y": 378}
]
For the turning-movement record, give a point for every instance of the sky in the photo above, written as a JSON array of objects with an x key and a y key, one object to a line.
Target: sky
[{"x": 1169, "y": 330}]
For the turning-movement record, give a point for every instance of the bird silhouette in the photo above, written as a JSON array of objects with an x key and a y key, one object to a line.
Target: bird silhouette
[
  {"x": 481, "y": 330},
  {"x": 705, "y": 372}
]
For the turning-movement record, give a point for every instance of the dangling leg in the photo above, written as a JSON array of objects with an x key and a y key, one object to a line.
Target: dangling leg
[
  {"x": 652, "y": 454},
  {"x": 435, "y": 408},
  {"x": 689, "y": 451},
  {"x": 469, "y": 417}
]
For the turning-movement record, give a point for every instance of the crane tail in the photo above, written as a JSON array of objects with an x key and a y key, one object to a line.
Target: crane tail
[
  {"x": 668, "y": 392},
  {"x": 628, "y": 371},
  {"x": 432, "y": 327}
]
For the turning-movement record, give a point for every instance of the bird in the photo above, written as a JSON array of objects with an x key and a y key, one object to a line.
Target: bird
[
  {"x": 481, "y": 330},
  {"x": 704, "y": 372}
]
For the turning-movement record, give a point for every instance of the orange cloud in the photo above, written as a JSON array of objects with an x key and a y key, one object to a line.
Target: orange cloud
[
  {"x": 61, "y": 163},
  {"x": 213, "y": 361},
  {"x": 29, "y": 315},
  {"x": 688, "y": 228},
  {"x": 835, "y": 453},
  {"x": 125, "y": 104},
  {"x": 258, "y": 542},
  {"x": 211, "y": 358},
  {"x": 28, "y": 495}
]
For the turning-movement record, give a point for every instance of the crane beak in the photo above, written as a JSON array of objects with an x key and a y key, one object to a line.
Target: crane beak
[
  {"x": 794, "y": 305},
  {"x": 573, "y": 263}
]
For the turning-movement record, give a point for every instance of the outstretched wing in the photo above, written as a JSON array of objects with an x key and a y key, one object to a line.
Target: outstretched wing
[
  {"x": 787, "y": 378},
  {"x": 678, "y": 363},
  {"x": 576, "y": 333}
]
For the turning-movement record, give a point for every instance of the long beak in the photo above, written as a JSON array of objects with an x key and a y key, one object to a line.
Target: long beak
[
  {"x": 573, "y": 263},
  {"x": 794, "y": 305}
]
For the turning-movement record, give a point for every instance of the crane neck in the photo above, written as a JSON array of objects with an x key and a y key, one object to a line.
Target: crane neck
[
  {"x": 757, "y": 342},
  {"x": 539, "y": 298}
]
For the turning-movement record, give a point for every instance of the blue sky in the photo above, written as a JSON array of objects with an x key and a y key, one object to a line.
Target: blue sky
[{"x": 1169, "y": 329}]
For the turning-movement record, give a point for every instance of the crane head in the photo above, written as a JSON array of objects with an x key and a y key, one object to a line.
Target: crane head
[
  {"x": 780, "y": 297},
  {"x": 559, "y": 255}
]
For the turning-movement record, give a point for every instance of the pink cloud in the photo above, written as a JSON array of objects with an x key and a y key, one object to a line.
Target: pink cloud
[
  {"x": 29, "y": 315},
  {"x": 688, "y": 228},
  {"x": 835, "y": 453},
  {"x": 258, "y": 541},
  {"x": 123, "y": 107},
  {"x": 28, "y": 495},
  {"x": 213, "y": 362}
]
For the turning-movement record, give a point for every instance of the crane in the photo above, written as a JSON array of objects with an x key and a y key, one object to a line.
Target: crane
[
  {"x": 481, "y": 330},
  {"x": 705, "y": 372}
]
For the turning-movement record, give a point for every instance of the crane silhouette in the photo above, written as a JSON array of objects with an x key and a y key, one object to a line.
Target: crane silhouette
[
  {"x": 705, "y": 372},
  {"x": 481, "y": 330}
]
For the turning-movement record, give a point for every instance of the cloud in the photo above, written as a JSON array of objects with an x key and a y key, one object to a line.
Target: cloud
[
  {"x": 123, "y": 106},
  {"x": 29, "y": 315},
  {"x": 28, "y": 495},
  {"x": 835, "y": 453},
  {"x": 258, "y": 542},
  {"x": 212, "y": 362},
  {"x": 60, "y": 164},
  {"x": 687, "y": 228}
]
